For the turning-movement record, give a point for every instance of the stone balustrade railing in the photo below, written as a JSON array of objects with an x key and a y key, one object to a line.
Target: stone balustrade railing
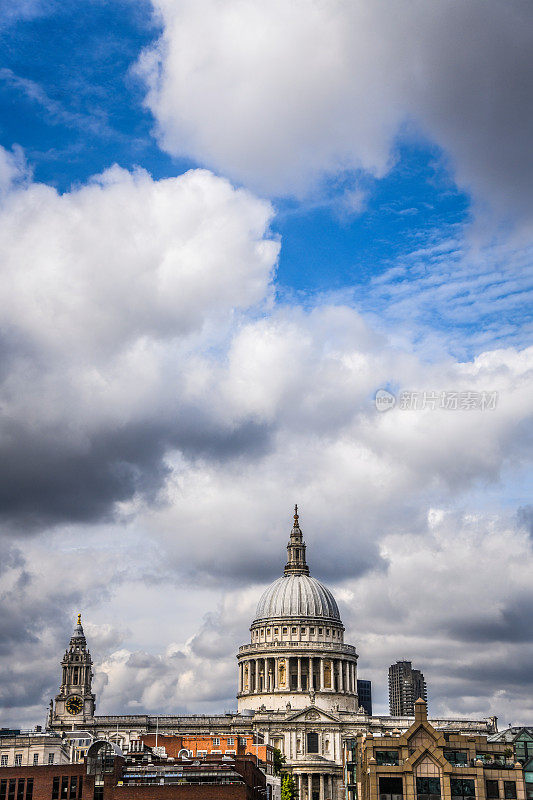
[{"x": 341, "y": 649}]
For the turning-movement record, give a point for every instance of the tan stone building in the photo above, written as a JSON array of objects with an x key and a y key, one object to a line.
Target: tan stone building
[{"x": 428, "y": 764}]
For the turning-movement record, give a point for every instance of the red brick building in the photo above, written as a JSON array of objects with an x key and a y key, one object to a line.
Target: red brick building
[
  {"x": 198, "y": 745},
  {"x": 106, "y": 775}
]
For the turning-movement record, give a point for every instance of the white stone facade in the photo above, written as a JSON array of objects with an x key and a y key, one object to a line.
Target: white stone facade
[{"x": 33, "y": 750}]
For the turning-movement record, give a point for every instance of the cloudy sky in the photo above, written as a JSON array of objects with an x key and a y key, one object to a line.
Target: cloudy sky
[{"x": 224, "y": 226}]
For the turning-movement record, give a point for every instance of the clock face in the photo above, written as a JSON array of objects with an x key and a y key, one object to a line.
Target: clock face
[{"x": 74, "y": 705}]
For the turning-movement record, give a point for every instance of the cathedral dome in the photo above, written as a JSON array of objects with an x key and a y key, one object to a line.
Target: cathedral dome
[{"x": 297, "y": 595}]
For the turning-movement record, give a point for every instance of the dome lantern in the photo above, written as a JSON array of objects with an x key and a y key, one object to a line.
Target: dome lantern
[{"x": 296, "y": 563}]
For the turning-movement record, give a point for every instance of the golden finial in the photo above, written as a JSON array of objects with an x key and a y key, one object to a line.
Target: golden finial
[
  {"x": 296, "y": 514},
  {"x": 79, "y": 619}
]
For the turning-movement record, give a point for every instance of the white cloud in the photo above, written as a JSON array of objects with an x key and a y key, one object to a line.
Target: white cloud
[
  {"x": 278, "y": 94},
  {"x": 149, "y": 380},
  {"x": 125, "y": 258},
  {"x": 105, "y": 290}
]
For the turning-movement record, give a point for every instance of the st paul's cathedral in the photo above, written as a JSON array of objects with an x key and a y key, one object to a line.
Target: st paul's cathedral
[{"x": 297, "y": 686}]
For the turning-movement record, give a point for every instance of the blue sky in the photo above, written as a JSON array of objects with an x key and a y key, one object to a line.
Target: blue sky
[
  {"x": 71, "y": 98},
  {"x": 311, "y": 201}
]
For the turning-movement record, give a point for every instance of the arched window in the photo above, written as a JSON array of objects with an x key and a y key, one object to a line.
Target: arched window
[{"x": 312, "y": 742}]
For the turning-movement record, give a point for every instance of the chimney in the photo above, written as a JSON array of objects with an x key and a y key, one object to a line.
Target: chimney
[{"x": 421, "y": 712}]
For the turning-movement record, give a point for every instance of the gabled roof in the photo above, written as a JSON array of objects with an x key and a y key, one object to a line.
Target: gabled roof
[
  {"x": 432, "y": 753},
  {"x": 523, "y": 733},
  {"x": 313, "y": 714}
]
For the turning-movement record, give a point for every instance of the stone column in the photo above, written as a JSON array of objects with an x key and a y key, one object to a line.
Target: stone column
[
  {"x": 309, "y": 786},
  {"x": 266, "y": 687},
  {"x": 275, "y": 676},
  {"x": 321, "y": 675},
  {"x": 321, "y": 789},
  {"x": 341, "y": 681},
  {"x": 256, "y": 685},
  {"x": 354, "y": 682},
  {"x": 311, "y": 681},
  {"x": 299, "y": 666}
]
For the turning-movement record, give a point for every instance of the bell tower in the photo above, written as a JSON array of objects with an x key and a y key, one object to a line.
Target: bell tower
[{"x": 75, "y": 702}]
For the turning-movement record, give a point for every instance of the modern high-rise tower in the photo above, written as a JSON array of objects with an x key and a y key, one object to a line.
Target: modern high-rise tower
[{"x": 406, "y": 685}]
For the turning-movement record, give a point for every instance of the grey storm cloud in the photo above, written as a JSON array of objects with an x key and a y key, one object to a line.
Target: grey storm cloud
[
  {"x": 47, "y": 479},
  {"x": 513, "y": 622}
]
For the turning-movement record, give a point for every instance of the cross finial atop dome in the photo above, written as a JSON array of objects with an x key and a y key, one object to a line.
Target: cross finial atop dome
[{"x": 296, "y": 563}]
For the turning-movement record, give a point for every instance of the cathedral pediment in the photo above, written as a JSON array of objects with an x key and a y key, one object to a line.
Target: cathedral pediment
[{"x": 312, "y": 714}]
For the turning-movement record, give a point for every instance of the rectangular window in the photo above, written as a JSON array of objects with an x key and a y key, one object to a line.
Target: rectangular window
[
  {"x": 35, "y": 759},
  {"x": 462, "y": 788},
  {"x": 387, "y": 758},
  {"x": 3, "y": 789},
  {"x": 231, "y": 741},
  {"x": 428, "y": 788},
  {"x": 509, "y": 790},
  {"x": 284, "y": 630},
  {"x": 80, "y": 786},
  {"x": 55, "y": 789},
  {"x": 459, "y": 758},
  {"x": 73, "y": 788},
  {"x": 294, "y": 630},
  {"x": 390, "y": 788},
  {"x": 243, "y": 742},
  {"x": 20, "y": 789},
  {"x": 18, "y": 759},
  {"x": 64, "y": 787},
  {"x": 11, "y": 789},
  {"x": 3, "y": 760},
  {"x": 50, "y": 758},
  {"x": 492, "y": 790},
  {"x": 216, "y": 742},
  {"x": 29, "y": 789}
]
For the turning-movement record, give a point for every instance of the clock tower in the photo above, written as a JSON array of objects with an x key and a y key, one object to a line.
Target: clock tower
[{"x": 75, "y": 702}]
